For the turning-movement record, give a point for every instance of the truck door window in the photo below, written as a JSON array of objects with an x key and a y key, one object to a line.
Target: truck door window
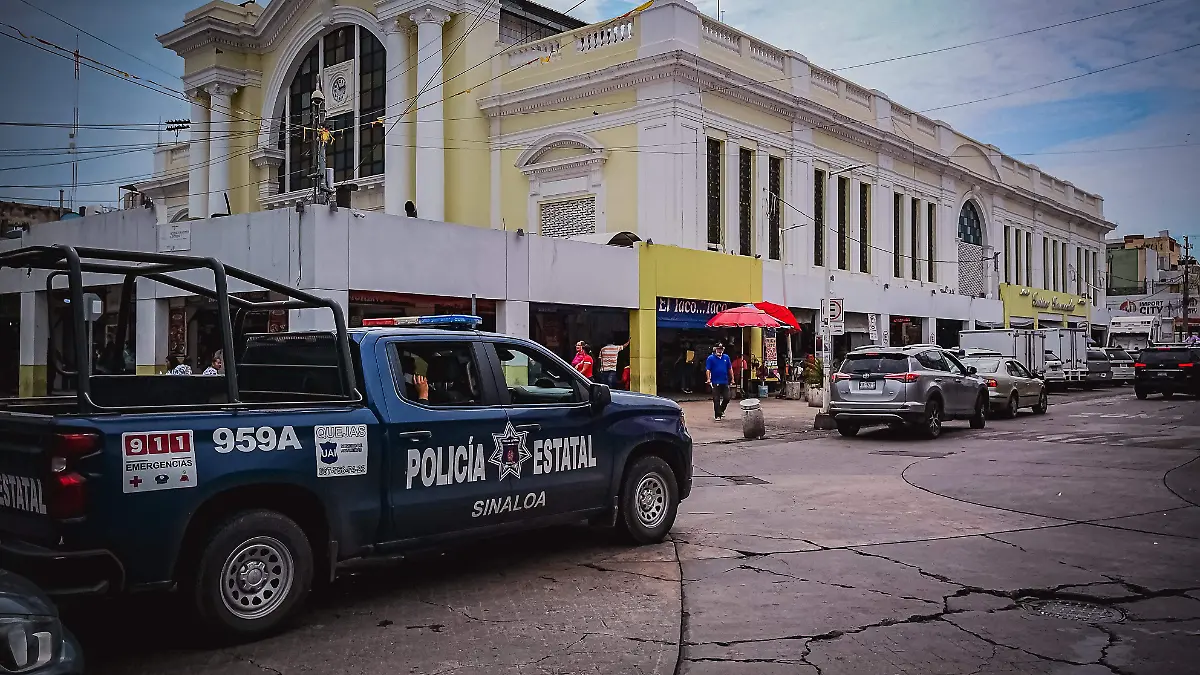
[
  {"x": 448, "y": 368},
  {"x": 535, "y": 379}
]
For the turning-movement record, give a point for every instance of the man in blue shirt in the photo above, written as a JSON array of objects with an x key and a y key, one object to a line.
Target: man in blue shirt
[{"x": 716, "y": 373}]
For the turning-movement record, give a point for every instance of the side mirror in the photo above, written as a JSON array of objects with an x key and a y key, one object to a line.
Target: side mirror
[
  {"x": 601, "y": 396},
  {"x": 971, "y": 370}
]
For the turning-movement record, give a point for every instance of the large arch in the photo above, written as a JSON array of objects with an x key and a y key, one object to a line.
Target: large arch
[
  {"x": 297, "y": 45},
  {"x": 969, "y": 155},
  {"x": 558, "y": 139}
]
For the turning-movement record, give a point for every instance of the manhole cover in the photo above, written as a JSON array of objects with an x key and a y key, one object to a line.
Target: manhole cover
[
  {"x": 745, "y": 480},
  {"x": 1075, "y": 610}
]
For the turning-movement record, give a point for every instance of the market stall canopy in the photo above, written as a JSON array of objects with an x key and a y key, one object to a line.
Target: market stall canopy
[
  {"x": 779, "y": 312},
  {"x": 745, "y": 316}
]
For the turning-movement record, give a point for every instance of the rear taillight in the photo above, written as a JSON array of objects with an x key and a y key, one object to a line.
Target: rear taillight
[
  {"x": 1186, "y": 365},
  {"x": 66, "y": 491},
  {"x": 838, "y": 377},
  {"x": 992, "y": 384},
  {"x": 903, "y": 377}
]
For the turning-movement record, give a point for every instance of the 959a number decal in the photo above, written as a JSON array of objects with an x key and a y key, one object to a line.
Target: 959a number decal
[{"x": 249, "y": 439}]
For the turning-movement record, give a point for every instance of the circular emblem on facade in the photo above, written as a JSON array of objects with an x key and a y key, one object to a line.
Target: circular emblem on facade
[{"x": 339, "y": 89}]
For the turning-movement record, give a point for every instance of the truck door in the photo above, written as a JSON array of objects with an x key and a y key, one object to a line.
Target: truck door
[
  {"x": 571, "y": 461},
  {"x": 442, "y": 421}
]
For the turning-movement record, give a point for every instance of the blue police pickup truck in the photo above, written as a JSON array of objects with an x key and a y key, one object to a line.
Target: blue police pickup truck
[{"x": 308, "y": 451}]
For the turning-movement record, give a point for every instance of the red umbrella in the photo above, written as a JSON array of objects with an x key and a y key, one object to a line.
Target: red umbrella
[
  {"x": 746, "y": 316},
  {"x": 779, "y": 312}
]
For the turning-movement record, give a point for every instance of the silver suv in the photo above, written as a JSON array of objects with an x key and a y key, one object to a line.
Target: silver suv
[{"x": 917, "y": 386}]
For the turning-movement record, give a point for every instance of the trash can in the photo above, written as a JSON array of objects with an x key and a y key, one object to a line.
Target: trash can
[
  {"x": 753, "y": 424},
  {"x": 763, "y": 392}
]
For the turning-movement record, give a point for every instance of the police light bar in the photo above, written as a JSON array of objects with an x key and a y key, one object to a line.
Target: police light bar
[{"x": 460, "y": 321}]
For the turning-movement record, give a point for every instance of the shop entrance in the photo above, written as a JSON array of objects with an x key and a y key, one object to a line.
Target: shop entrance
[
  {"x": 10, "y": 344},
  {"x": 905, "y": 330},
  {"x": 947, "y": 333},
  {"x": 559, "y": 327}
]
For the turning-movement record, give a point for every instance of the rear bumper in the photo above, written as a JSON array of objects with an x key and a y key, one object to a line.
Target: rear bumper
[
  {"x": 868, "y": 413},
  {"x": 89, "y": 572},
  {"x": 1173, "y": 385}
]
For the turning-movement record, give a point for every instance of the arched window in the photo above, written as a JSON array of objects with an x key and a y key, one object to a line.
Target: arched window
[
  {"x": 970, "y": 225},
  {"x": 357, "y": 147}
]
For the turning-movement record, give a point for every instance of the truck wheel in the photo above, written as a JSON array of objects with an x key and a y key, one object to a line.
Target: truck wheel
[
  {"x": 847, "y": 428},
  {"x": 1043, "y": 404},
  {"x": 1168, "y": 395},
  {"x": 931, "y": 421},
  {"x": 254, "y": 571},
  {"x": 1140, "y": 393},
  {"x": 649, "y": 500},
  {"x": 1011, "y": 411},
  {"x": 979, "y": 419}
]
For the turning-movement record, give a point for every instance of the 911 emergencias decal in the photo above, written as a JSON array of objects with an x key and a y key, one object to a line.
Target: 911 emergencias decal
[{"x": 157, "y": 460}]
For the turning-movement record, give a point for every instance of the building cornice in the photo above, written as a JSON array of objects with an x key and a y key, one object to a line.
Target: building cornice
[
  {"x": 222, "y": 75},
  {"x": 261, "y": 35},
  {"x": 713, "y": 79}
]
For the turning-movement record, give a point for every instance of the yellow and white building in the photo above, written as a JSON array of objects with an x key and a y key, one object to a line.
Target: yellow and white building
[{"x": 736, "y": 171}]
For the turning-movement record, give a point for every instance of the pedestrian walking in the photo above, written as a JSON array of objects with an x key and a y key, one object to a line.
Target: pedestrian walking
[
  {"x": 608, "y": 363},
  {"x": 583, "y": 359},
  {"x": 716, "y": 374}
]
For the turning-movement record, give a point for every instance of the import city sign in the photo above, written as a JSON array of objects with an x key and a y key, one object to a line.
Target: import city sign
[{"x": 1165, "y": 306}]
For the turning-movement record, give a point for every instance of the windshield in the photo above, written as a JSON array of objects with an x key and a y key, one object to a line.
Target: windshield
[
  {"x": 874, "y": 362},
  {"x": 1051, "y": 356},
  {"x": 983, "y": 365},
  {"x": 1119, "y": 355},
  {"x": 1165, "y": 357}
]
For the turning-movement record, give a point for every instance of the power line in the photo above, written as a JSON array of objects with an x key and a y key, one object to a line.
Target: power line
[{"x": 991, "y": 39}]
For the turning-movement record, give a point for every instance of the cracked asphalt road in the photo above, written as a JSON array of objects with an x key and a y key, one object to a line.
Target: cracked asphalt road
[
  {"x": 886, "y": 554},
  {"x": 879, "y": 554}
]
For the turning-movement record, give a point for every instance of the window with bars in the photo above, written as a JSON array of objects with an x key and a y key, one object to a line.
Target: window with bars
[
  {"x": 1054, "y": 253},
  {"x": 372, "y": 93},
  {"x": 713, "y": 182},
  {"x": 1007, "y": 254},
  {"x": 1078, "y": 271},
  {"x": 931, "y": 227},
  {"x": 843, "y": 227},
  {"x": 915, "y": 223},
  {"x": 818, "y": 217},
  {"x": 864, "y": 228},
  {"x": 356, "y": 150},
  {"x": 897, "y": 235},
  {"x": 745, "y": 201},
  {"x": 1029, "y": 258},
  {"x": 1046, "y": 262},
  {"x": 1018, "y": 244},
  {"x": 1063, "y": 268},
  {"x": 1095, "y": 280},
  {"x": 970, "y": 225},
  {"x": 568, "y": 218},
  {"x": 774, "y": 212}
]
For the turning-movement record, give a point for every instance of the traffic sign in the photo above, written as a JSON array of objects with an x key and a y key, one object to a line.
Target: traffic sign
[
  {"x": 835, "y": 309},
  {"x": 837, "y": 327}
]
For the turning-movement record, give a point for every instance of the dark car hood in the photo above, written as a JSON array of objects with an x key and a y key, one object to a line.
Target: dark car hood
[
  {"x": 637, "y": 399},
  {"x": 20, "y": 596}
]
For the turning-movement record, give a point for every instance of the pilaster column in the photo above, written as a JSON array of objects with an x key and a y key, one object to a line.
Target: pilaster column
[
  {"x": 512, "y": 318},
  {"x": 397, "y": 183},
  {"x": 221, "y": 97},
  {"x": 198, "y": 157},
  {"x": 150, "y": 335},
  {"x": 730, "y": 189},
  {"x": 430, "y": 138}
]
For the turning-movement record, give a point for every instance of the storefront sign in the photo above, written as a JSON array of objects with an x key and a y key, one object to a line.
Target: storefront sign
[
  {"x": 873, "y": 327},
  {"x": 1040, "y": 302},
  {"x": 1167, "y": 305},
  {"x": 683, "y": 313},
  {"x": 174, "y": 237},
  {"x": 1062, "y": 306},
  {"x": 770, "y": 352}
]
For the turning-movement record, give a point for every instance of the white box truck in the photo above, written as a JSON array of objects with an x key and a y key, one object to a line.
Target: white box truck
[
  {"x": 1134, "y": 333},
  {"x": 1026, "y": 346},
  {"x": 1070, "y": 346}
]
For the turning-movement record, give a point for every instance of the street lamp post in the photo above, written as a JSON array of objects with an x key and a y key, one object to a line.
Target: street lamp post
[{"x": 824, "y": 421}]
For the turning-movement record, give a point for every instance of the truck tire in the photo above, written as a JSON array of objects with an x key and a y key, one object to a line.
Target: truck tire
[
  {"x": 254, "y": 571},
  {"x": 1140, "y": 393},
  {"x": 649, "y": 500},
  {"x": 848, "y": 429}
]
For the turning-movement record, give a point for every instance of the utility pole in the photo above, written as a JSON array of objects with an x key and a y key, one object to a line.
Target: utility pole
[
  {"x": 1187, "y": 263},
  {"x": 321, "y": 182}
]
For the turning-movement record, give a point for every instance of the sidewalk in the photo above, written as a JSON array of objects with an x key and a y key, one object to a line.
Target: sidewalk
[{"x": 782, "y": 417}]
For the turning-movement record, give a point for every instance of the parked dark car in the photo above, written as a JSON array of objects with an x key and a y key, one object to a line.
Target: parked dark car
[
  {"x": 1167, "y": 371},
  {"x": 32, "y": 639},
  {"x": 1099, "y": 368}
]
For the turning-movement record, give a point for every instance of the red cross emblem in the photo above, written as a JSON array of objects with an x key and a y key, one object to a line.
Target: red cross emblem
[{"x": 135, "y": 481}]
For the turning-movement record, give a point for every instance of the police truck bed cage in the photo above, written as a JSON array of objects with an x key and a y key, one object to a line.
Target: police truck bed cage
[{"x": 269, "y": 381}]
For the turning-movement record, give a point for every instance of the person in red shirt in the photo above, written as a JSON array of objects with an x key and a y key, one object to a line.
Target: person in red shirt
[{"x": 583, "y": 360}]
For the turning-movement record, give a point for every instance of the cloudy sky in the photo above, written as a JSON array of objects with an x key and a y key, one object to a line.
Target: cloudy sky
[{"x": 1130, "y": 133}]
